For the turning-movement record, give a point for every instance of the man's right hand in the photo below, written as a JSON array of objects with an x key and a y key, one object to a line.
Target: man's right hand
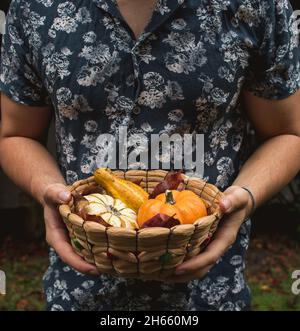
[{"x": 56, "y": 233}]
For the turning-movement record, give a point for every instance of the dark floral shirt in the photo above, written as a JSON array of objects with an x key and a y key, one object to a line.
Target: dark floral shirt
[{"x": 184, "y": 74}]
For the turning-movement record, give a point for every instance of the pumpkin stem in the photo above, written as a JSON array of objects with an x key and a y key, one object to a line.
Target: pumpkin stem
[{"x": 169, "y": 197}]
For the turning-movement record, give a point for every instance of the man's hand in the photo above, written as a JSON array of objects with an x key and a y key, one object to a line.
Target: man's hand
[
  {"x": 236, "y": 206},
  {"x": 56, "y": 234}
]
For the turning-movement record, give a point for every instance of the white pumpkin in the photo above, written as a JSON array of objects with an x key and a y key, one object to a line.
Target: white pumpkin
[{"x": 113, "y": 211}]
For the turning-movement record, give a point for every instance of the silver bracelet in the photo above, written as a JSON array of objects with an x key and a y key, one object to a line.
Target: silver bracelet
[{"x": 252, "y": 199}]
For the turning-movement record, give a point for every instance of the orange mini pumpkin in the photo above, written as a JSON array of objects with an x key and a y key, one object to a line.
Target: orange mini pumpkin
[{"x": 185, "y": 206}]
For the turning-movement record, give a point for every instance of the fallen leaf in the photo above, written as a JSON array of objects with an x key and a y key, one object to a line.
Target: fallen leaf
[
  {"x": 80, "y": 204},
  {"x": 265, "y": 288},
  {"x": 22, "y": 304},
  {"x": 161, "y": 220},
  {"x": 172, "y": 181}
]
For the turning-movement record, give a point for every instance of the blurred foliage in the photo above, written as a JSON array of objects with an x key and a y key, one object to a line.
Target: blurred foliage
[
  {"x": 24, "y": 265},
  {"x": 270, "y": 263}
]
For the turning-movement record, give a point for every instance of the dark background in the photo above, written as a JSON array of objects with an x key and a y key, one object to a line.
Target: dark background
[
  {"x": 295, "y": 4},
  {"x": 4, "y": 5}
]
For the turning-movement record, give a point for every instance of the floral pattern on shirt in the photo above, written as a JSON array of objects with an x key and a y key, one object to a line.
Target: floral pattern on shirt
[{"x": 184, "y": 74}]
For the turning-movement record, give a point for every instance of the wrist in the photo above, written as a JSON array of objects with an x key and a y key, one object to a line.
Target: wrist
[
  {"x": 238, "y": 200},
  {"x": 251, "y": 204}
]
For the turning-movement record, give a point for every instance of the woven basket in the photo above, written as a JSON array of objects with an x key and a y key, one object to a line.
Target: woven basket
[{"x": 150, "y": 253}]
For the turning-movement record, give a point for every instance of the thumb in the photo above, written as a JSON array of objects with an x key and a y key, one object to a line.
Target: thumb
[
  {"x": 57, "y": 194},
  {"x": 234, "y": 199}
]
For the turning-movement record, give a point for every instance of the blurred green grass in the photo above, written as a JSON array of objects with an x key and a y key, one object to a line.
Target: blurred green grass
[
  {"x": 270, "y": 263},
  {"x": 278, "y": 299},
  {"x": 24, "y": 284}
]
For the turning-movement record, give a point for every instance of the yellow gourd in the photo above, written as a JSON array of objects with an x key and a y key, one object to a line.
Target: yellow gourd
[{"x": 129, "y": 193}]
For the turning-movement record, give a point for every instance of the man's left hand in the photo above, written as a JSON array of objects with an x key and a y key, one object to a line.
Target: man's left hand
[{"x": 236, "y": 206}]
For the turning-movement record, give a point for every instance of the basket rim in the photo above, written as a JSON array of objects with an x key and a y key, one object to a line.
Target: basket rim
[{"x": 65, "y": 209}]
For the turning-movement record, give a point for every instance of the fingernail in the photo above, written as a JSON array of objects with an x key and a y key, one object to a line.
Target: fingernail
[
  {"x": 179, "y": 272},
  {"x": 64, "y": 196},
  {"x": 94, "y": 272},
  {"x": 226, "y": 204}
]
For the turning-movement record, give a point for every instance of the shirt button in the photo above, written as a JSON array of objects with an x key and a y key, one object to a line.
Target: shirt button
[
  {"x": 136, "y": 110},
  {"x": 135, "y": 50}
]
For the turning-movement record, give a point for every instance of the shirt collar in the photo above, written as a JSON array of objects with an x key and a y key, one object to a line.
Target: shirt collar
[
  {"x": 108, "y": 6},
  {"x": 164, "y": 9}
]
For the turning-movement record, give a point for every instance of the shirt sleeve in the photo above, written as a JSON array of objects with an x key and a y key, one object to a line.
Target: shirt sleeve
[
  {"x": 18, "y": 77},
  {"x": 275, "y": 67}
]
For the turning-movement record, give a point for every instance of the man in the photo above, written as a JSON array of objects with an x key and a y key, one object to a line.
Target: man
[{"x": 153, "y": 67}]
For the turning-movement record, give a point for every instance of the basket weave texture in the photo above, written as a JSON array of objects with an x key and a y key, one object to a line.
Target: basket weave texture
[{"x": 149, "y": 253}]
